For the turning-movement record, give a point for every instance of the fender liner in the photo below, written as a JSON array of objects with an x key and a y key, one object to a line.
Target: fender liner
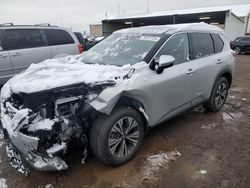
[{"x": 135, "y": 104}]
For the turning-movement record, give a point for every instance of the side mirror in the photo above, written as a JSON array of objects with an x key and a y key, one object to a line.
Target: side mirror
[{"x": 165, "y": 61}]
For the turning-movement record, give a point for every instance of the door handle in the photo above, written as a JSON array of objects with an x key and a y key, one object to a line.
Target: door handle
[
  {"x": 16, "y": 54},
  {"x": 190, "y": 71},
  {"x": 219, "y": 61},
  {"x": 3, "y": 56}
]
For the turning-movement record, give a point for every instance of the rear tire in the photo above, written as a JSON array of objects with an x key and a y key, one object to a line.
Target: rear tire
[
  {"x": 218, "y": 95},
  {"x": 114, "y": 139}
]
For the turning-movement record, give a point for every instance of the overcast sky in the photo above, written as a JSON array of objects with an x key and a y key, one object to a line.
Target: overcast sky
[{"x": 78, "y": 14}]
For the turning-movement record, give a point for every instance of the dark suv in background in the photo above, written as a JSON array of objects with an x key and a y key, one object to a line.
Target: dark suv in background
[
  {"x": 87, "y": 44},
  {"x": 241, "y": 44}
]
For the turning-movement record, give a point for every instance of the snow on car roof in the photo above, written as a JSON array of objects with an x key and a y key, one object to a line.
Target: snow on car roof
[
  {"x": 162, "y": 29},
  {"x": 239, "y": 10}
]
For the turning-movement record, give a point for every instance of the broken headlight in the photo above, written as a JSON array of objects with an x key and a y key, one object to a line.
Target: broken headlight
[{"x": 67, "y": 106}]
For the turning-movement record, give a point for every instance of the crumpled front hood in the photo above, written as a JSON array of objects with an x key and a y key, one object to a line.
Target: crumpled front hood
[{"x": 61, "y": 72}]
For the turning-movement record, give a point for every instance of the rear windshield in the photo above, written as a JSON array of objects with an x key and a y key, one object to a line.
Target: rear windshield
[{"x": 120, "y": 49}]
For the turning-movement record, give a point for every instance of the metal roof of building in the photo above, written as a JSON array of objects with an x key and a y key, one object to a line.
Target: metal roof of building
[{"x": 241, "y": 10}]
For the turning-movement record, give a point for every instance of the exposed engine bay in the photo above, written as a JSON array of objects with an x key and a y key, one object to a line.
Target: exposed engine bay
[{"x": 43, "y": 126}]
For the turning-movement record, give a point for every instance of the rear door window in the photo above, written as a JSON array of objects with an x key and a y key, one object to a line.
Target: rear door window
[
  {"x": 58, "y": 37},
  {"x": 201, "y": 45},
  {"x": 218, "y": 43},
  {"x": 23, "y": 38}
]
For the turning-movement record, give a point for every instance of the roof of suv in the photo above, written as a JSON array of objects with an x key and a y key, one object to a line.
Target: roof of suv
[
  {"x": 170, "y": 29},
  {"x": 37, "y": 26}
]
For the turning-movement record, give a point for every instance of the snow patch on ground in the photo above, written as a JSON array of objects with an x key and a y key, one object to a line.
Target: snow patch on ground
[
  {"x": 199, "y": 174},
  {"x": 228, "y": 117},
  {"x": 3, "y": 183},
  {"x": 209, "y": 126},
  {"x": 203, "y": 172},
  {"x": 232, "y": 96},
  {"x": 49, "y": 186},
  {"x": 150, "y": 169},
  {"x": 155, "y": 162}
]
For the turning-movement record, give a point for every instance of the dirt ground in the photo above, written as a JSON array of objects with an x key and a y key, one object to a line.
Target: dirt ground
[{"x": 196, "y": 149}]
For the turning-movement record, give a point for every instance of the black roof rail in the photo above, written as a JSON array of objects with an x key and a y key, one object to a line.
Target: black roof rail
[{"x": 7, "y": 24}]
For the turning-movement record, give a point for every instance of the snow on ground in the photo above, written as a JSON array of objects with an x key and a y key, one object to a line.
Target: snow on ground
[
  {"x": 3, "y": 183},
  {"x": 49, "y": 186},
  {"x": 154, "y": 163},
  {"x": 150, "y": 169},
  {"x": 209, "y": 126},
  {"x": 203, "y": 172},
  {"x": 229, "y": 117},
  {"x": 199, "y": 174}
]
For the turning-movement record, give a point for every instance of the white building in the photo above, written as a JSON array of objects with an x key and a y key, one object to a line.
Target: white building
[{"x": 234, "y": 19}]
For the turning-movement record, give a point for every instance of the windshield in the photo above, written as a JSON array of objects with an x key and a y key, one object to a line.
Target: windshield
[{"x": 120, "y": 49}]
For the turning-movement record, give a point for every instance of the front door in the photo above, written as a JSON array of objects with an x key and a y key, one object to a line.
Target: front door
[{"x": 172, "y": 91}]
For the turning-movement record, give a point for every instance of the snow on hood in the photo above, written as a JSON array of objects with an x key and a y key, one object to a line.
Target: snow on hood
[{"x": 65, "y": 71}]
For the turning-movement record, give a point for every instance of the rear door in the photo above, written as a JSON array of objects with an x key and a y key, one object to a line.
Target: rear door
[
  {"x": 6, "y": 70},
  {"x": 206, "y": 65},
  {"x": 26, "y": 46},
  {"x": 61, "y": 42}
]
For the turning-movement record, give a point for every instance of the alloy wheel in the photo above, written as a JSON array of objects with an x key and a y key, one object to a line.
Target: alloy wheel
[
  {"x": 221, "y": 94},
  {"x": 123, "y": 137}
]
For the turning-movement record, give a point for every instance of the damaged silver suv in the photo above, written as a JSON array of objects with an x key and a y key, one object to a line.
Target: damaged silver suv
[{"x": 106, "y": 99}]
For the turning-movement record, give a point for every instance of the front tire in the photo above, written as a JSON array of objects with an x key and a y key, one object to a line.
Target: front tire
[
  {"x": 218, "y": 95},
  {"x": 114, "y": 139}
]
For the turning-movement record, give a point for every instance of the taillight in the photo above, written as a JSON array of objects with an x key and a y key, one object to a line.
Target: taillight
[
  {"x": 234, "y": 53},
  {"x": 81, "y": 48}
]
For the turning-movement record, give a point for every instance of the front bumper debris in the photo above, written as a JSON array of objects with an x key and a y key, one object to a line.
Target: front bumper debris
[
  {"x": 15, "y": 159},
  {"x": 20, "y": 146}
]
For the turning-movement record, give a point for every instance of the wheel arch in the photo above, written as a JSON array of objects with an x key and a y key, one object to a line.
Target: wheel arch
[
  {"x": 228, "y": 75},
  {"x": 136, "y": 105}
]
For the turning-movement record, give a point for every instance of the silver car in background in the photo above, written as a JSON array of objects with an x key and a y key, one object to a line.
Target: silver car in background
[
  {"x": 113, "y": 94},
  {"x": 21, "y": 46}
]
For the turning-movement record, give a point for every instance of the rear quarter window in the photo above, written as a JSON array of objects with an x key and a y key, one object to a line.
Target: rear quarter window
[
  {"x": 24, "y": 38},
  {"x": 218, "y": 43},
  {"x": 201, "y": 45},
  {"x": 58, "y": 37}
]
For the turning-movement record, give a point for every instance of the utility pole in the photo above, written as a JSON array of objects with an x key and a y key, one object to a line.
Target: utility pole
[
  {"x": 148, "y": 10},
  {"x": 119, "y": 7}
]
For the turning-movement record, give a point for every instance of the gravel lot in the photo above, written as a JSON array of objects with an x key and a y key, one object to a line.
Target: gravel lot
[{"x": 196, "y": 149}]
